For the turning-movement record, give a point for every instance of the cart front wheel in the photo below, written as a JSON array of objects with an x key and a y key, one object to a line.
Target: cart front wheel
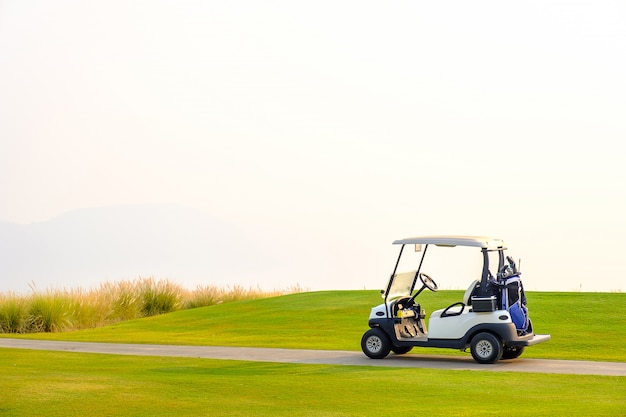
[{"x": 375, "y": 343}]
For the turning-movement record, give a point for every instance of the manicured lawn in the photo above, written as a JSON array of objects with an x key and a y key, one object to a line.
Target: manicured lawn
[
  {"x": 583, "y": 326},
  {"x": 39, "y": 383},
  {"x": 589, "y": 326}
]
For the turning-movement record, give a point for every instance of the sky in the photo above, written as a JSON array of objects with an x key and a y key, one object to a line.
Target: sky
[{"x": 325, "y": 130}]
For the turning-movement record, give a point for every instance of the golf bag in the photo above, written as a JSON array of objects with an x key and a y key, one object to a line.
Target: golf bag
[{"x": 512, "y": 297}]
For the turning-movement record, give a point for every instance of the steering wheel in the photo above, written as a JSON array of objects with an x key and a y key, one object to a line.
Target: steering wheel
[{"x": 428, "y": 282}]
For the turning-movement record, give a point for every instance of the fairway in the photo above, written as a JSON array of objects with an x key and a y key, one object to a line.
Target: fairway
[
  {"x": 584, "y": 326},
  {"x": 78, "y": 384}
]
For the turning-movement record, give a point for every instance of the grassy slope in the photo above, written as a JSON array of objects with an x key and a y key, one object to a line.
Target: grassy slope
[
  {"x": 589, "y": 326},
  {"x": 71, "y": 384}
]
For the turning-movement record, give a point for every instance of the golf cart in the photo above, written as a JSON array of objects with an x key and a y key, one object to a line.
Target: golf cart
[{"x": 492, "y": 319}]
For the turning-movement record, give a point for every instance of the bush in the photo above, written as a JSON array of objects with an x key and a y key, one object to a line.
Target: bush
[
  {"x": 13, "y": 314},
  {"x": 49, "y": 312},
  {"x": 89, "y": 308},
  {"x": 124, "y": 301},
  {"x": 159, "y": 297},
  {"x": 59, "y": 310},
  {"x": 204, "y": 296}
]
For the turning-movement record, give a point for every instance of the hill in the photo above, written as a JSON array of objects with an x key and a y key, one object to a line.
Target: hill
[
  {"x": 581, "y": 325},
  {"x": 85, "y": 247}
]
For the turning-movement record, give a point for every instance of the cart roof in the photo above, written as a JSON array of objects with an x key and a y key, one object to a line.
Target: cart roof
[{"x": 477, "y": 241}]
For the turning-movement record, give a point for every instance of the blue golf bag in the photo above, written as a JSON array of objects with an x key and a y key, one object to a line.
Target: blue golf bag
[{"x": 513, "y": 299}]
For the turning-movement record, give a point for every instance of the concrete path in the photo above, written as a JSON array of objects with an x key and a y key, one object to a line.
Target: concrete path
[{"x": 331, "y": 357}]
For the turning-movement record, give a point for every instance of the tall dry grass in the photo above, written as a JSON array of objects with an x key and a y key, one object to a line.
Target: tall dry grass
[
  {"x": 208, "y": 295},
  {"x": 75, "y": 309},
  {"x": 13, "y": 313}
]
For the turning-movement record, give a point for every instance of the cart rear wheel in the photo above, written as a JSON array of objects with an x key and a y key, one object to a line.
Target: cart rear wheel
[
  {"x": 401, "y": 350},
  {"x": 375, "y": 343},
  {"x": 486, "y": 348},
  {"x": 512, "y": 352}
]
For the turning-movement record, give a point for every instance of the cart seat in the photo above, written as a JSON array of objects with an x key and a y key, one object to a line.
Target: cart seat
[{"x": 467, "y": 298}]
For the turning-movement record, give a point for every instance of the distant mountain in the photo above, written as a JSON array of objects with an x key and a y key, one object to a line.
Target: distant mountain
[{"x": 89, "y": 246}]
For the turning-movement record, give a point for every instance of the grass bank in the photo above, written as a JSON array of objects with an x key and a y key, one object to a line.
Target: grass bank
[
  {"x": 74, "y": 384},
  {"x": 589, "y": 326}
]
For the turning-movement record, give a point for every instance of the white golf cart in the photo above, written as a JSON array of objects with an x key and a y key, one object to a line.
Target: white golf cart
[{"x": 492, "y": 320}]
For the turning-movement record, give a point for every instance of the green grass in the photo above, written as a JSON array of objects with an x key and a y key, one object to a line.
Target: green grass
[
  {"x": 583, "y": 326},
  {"x": 72, "y": 384},
  {"x": 589, "y": 326}
]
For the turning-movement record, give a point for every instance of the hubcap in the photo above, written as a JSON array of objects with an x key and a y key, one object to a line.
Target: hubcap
[
  {"x": 484, "y": 349},
  {"x": 374, "y": 344}
]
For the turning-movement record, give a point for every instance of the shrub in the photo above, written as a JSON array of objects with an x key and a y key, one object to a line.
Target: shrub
[
  {"x": 60, "y": 310},
  {"x": 124, "y": 300},
  {"x": 204, "y": 296},
  {"x": 13, "y": 314},
  {"x": 159, "y": 297},
  {"x": 49, "y": 312},
  {"x": 89, "y": 309}
]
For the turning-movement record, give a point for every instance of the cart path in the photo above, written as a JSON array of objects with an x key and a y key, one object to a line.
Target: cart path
[{"x": 329, "y": 357}]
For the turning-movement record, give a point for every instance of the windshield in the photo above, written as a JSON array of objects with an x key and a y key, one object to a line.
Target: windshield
[{"x": 402, "y": 284}]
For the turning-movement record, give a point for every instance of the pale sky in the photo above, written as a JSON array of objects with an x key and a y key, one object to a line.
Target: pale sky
[{"x": 328, "y": 129}]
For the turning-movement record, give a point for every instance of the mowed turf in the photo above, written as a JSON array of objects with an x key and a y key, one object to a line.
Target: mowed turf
[
  {"x": 589, "y": 326},
  {"x": 64, "y": 384},
  {"x": 583, "y": 326}
]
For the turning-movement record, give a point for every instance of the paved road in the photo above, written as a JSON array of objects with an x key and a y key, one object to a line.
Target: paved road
[{"x": 332, "y": 357}]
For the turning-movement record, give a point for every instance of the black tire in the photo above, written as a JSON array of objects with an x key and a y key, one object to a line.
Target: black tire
[
  {"x": 512, "y": 352},
  {"x": 401, "y": 350},
  {"x": 375, "y": 343},
  {"x": 486, "y": 348}
]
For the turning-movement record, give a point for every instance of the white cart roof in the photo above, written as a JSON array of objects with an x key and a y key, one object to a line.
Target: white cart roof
[{"x": 476, "y": 241}]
